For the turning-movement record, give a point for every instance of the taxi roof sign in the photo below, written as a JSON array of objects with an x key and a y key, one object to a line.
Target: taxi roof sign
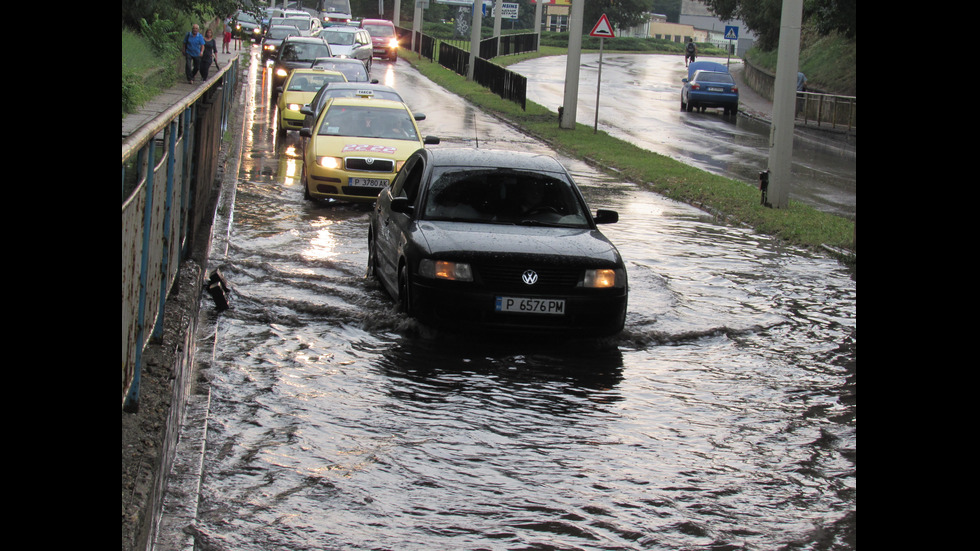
[{"x": 602, "y": 29}]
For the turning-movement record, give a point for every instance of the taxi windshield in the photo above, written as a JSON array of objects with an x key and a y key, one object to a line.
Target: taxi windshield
[
  {"x": 368, "y": 122},
  {"x": 312, "y": 82}
]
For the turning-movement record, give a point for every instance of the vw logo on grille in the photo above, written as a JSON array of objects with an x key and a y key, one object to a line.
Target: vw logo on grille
[{"x": 530, "y": 277}]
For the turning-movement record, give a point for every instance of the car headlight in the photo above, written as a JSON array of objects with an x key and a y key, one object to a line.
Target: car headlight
[
  {"x": 293, "y": 106},
  {"x": 443, "y": 269},
  {"x": 393, "y": 43},
  {"x": 280, "y": 72},
  {"x": 602, "y": 279},
  {"x": 256, "y": 30},
  {"x": 330, "y": 162}
]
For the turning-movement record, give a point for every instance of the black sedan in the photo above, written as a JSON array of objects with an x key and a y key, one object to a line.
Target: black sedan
[
  {"x": 496, "y": 240},
  {"x": 294, "y": 52}
]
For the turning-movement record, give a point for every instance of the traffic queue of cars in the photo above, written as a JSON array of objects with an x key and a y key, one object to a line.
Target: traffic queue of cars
[{"x": 460, "y": 238}]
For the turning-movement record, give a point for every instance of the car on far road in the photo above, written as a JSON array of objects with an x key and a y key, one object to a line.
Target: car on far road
[
  {"x": 297, "y": 52},
  {"x": 350, "y": 42},
  {"x": 384, "y": 39},
  {"x": 311, "y": 111},
  {"x": 496, "y": 241},
  {"x": 353, "y": 69},
  {"x": 709, "y": 84},
  {"x": 274, "y": 37},
  {"x": 247, "y": 27},
  {"x": 300, "y": 87},
  {"x": 356, "y": 146}
]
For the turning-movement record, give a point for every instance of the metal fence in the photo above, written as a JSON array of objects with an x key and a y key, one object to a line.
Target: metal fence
[
  {"x": 169, "y": 167},
  {"x": 455, "y": 57},
  {"x": 827, "y": 109}
]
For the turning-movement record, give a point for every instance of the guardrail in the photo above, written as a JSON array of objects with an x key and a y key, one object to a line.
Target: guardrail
[
  {"x": 823, "y": 109},
  {"x": 169, "y": 167}
]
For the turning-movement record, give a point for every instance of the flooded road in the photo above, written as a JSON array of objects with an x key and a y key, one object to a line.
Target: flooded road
[
  {"x": 724, "y": 417},
  {"x": 639, "y": 101}
]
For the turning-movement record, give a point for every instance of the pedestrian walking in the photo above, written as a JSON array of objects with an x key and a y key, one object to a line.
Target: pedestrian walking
[
  {"x": 193, "y": 48},
  {"x": 226, "y": 39},
  {"x": 208, "y": 54}
]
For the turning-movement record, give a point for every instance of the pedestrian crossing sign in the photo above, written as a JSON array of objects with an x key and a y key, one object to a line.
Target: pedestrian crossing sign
[
  {"x": 602, "y": 29},
  {"x": 731, "y": 32}
]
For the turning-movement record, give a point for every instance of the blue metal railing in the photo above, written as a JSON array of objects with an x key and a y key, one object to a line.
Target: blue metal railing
[{"x": 168, "y": 167}]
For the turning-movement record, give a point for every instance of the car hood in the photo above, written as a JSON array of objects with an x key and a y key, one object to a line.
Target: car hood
[
  {"x": 361, "y": 147},
  {"x": 301, "y": 98},
  {"x": 466, "y": 241}
]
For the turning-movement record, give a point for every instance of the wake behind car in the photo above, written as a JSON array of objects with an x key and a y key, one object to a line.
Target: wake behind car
[
  {"x": 297, "y": 52},
  {"x": 485, "y": 240},
  {"x": 356, "y": 146},
  {"x": 709, "y": 84},
  {"x": 300, "y": 87}
]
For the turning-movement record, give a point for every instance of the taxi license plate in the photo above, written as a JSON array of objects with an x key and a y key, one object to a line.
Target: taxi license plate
[
  {"x": 530, "y": 305},
  {"x": 368, "y": 182}
]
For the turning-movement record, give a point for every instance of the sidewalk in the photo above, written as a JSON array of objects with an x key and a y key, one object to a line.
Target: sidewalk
[{"x": 180, "y": 90}]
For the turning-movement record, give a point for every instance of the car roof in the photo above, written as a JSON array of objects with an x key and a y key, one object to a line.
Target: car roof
[
  {"x": 314, "y": 39},
  {"x": 377, "y": 22},
  {"x": 493, "y": 158},
  {"x": 371, "y": 102},
  {"x": 705, "y": 66}
]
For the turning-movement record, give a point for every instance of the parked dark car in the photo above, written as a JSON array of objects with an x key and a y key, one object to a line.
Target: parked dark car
[
  {"x": 297, "y": 51},
  {"x": 475, "y": 239}
]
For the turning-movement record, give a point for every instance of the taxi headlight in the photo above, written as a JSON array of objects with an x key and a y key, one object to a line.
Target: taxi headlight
[
  {"x": 443, "y": 269},
  {"x": 280, "y": 72},
  {"x": 602, "y": 279},
  {"x": 330, "y": 162},
  {"x": 293, "y": 106}
]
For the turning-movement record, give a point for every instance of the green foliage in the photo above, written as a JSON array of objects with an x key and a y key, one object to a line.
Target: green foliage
[
  {"x": 162, "y": 35},
  {"x": 134, "y": 92}
]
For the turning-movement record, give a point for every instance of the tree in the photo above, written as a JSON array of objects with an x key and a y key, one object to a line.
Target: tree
[
  {"x": 621, "y": 13},
  {"x": 763, "y": 17}
]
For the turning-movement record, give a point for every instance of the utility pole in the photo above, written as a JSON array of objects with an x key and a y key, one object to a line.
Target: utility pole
[
  {"x": 475, "y": 37},
  {"x": 784, "y": 104},
  {"x": 573, "y": 64}
]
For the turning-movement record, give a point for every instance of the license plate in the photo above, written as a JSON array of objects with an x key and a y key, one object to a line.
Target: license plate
[
  {"x": 710, "y": 89},
  {"x": 530, "y": 305},
  {"x": 368, "y": 182}
]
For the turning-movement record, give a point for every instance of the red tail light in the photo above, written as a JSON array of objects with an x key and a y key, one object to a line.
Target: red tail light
[{"x": 695, "y": 86}]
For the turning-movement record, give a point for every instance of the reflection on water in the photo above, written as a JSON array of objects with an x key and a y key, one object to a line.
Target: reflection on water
[{"x": 724, "y": 417}]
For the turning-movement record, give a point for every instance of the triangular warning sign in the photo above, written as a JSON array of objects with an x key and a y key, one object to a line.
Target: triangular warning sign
[
  {"x": 732, "y": 35},
  {"x": 602, "y": 29}
]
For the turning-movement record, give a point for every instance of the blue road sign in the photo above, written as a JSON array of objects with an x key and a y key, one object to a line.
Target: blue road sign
[{"x": 731, "y": 32}]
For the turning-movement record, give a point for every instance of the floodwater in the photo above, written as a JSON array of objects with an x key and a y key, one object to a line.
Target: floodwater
[
  {"x": 639, "y": 101},
  {"x": 724, "y": 416}
]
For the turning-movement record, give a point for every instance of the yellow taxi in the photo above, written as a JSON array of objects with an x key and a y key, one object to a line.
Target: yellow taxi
[
  {"x": 298, "y": 90},
  {"x": 356, "y": 146}
]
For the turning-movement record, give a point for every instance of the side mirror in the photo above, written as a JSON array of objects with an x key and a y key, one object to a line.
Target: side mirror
[
  {"x": 431, "y": 140},
  {"x": 306, "y": 110},
  {"x": 419, "y": 116},
  {"x": 401, "y": 204},
  {"x": 278, "y": 89},
  {"x": 684, "y": 80},
  {"x": 375, "y": 81},
  {"x": 306, "y": 132},
  {"x": 606, "y": 216}
]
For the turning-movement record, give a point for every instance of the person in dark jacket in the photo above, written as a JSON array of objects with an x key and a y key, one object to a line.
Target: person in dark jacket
[{"x": 208, "y": 54}]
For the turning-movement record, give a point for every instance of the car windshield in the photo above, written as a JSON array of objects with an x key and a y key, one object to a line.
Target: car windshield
[
  {"x": 244, "y": 17},
  {"x": 354, "y": 71},
  {"x": 302, "y": 51},
  {"x": 281, "y": 32},
  {"x": 709, "y": 76},
  {"x": 311, "y": 82},
  {"x": 380, "y": 30},
  {"x": 338, "y": 37},
  {"x": 503, "y": 197},
  {"x": 299, "y": 22},
  {"x": 364, "y": 121}
]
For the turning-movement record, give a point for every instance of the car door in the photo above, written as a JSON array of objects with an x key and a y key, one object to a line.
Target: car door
[{"x": 393, "y": 228}]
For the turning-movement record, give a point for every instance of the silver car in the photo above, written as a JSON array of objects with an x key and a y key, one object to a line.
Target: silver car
[{"x": 349, "y": 42}]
